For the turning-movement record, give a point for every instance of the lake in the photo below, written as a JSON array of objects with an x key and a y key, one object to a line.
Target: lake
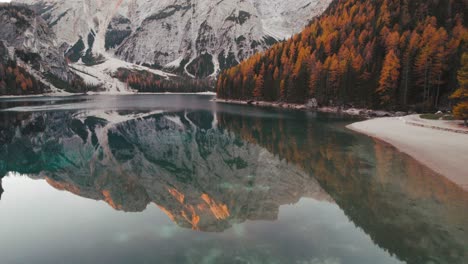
[{"x": 181, "y": 179}]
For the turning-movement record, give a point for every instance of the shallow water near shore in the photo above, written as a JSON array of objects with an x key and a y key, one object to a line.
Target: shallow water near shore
[{"x": 181, "y": 179}]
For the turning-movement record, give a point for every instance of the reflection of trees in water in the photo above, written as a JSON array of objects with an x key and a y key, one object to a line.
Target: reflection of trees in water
[
  {"x": 203, "y": 177},
  {"x": 209, "y": 172},
  {"x": 406, "y": 208}
]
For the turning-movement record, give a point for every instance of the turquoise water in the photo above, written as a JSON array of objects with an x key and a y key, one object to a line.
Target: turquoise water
[{"x": 180, "y": 179}]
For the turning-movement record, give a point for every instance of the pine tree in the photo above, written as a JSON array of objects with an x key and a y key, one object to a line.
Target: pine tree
[
  {"x": 460, "y": 110},
  {"x": 389, "y": 78},
  {"x": 357, "y": 46},
  {"x": 259, "y": 83},
  {"x": 283, "y": 92},
  {"x": 407, "y": 63}
]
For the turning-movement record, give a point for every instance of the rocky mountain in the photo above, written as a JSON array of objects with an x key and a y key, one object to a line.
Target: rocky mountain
[
  {"x": 30, "y": 58},
  {"x": 194, "y": 38}
]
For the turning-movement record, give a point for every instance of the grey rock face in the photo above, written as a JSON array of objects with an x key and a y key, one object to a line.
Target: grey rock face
[
  {"x": 29, "y": 39},
  {"x": 193, "y": 37}
]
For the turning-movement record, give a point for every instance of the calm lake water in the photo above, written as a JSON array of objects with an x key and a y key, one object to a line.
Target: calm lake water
[{"x": 180, "y": 179}]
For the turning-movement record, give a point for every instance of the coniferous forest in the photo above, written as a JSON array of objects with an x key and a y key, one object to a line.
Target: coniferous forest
[
  {"x": 15, "y": 80},
  {"x": 389, "y": 54},
  {"x": 143, "y": 81}
]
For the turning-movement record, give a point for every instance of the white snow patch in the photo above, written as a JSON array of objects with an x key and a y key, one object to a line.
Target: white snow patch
[
  {"x": 176, "y": 120},
  {"x": 101, "y": 74},
  {"x": 216, "y": 66},
  {"x": 113, "y": 116},
  {"x": 174, "y": 64}
]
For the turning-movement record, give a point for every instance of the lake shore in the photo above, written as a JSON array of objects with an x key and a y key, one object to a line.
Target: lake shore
[
  {"x": 442, "y": 146},
  {"x": 262, "y": 104},
  {"x": 65, "y": 94},
  {"x": 365, "y": 113}
]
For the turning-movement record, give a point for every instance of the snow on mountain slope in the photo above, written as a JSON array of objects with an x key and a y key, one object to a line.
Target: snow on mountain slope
[
  {"x": 195, "y": 37},
  {"x": 102, "y": 74}
]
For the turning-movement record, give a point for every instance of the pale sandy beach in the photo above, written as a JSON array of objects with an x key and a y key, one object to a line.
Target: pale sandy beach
[{"x": 445, "y": 152}]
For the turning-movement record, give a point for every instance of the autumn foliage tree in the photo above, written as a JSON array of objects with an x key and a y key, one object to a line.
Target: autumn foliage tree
[
  {"x": 460, "y": 110},
  {"x": 369, "y": 53},
  {"x": 14, "y": 80},
  {"x": 259, "y": 83},
  {"x": 389, "y": 77}
]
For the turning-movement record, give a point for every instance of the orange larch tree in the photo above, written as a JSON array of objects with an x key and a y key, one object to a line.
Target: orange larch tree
[{"x": 389, "y": 77}]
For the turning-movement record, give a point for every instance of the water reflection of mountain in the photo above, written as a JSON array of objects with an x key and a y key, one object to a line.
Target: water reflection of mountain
[
  {"x": 406, "y": 208},
  {"x": 209, "y": 171},
  {"x": 203, "y": 177}
]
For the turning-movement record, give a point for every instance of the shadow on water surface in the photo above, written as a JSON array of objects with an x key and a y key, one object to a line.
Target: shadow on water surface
[{"x": 211, "y": 169}]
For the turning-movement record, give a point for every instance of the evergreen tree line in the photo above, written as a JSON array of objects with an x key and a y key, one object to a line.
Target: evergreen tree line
[
  {"x": 392, "y": 54},
  {"x": 460, "y": 96},
  {"x": 144, "y": 81},
  {"x": 15, "y": 80}
]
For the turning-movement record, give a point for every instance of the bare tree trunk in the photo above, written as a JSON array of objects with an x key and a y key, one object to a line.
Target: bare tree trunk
[
  {"x": 405, "y": 96},
  {"x": 438, "y": 90},
  {"x": 425, "y": 85}
]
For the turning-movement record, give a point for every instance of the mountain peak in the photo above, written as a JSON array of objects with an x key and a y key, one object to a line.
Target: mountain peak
[{"x": 196, "y": 38}]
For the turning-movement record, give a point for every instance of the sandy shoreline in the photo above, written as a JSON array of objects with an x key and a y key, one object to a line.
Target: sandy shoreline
[
  {"x": 443, "y": 151},
  {"x": 440, "y": 145}
]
